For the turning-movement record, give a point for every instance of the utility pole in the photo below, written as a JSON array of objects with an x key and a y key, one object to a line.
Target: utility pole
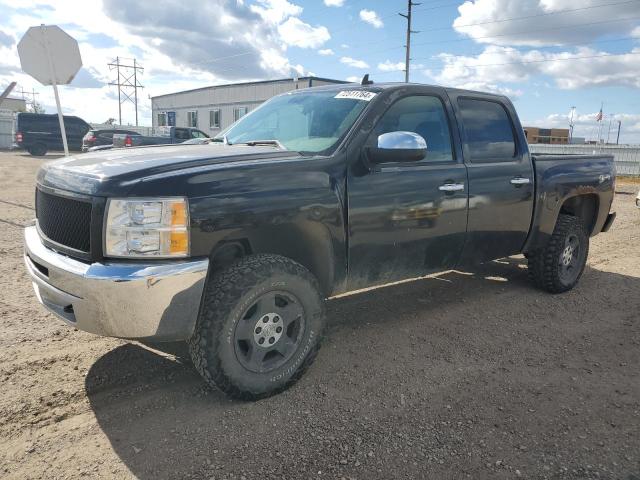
[
  {"x": 127, "y": 83},
  {"x": 609, "y": 129},
  {"x": 618, "y": 139},
  {"x": 573, "y": 111},
  {"x": 407, "y": 61}
]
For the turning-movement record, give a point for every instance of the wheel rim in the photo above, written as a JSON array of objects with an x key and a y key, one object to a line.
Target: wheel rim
[
  {"x": 269, "y": 332},
  {"x": 570, "y": 259}
]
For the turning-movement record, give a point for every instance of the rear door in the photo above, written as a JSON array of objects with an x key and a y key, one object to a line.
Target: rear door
[
  {"x": 500, "y": 177},
  {"x": 408, "y": 218}
]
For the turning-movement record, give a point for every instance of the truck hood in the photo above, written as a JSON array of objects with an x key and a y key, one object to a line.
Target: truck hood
[{"x": 95, "y": 172}]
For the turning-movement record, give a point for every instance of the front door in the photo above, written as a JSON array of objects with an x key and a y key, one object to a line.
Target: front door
[{"x": 408, "y": 218}]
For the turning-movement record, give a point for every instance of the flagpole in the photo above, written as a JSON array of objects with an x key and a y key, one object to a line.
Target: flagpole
[{"x": 600, "y": 122}]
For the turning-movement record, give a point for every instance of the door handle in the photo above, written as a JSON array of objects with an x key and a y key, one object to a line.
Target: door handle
[
  {"x": 520, "y": 181},
  {"x": 451, "y": 187}
]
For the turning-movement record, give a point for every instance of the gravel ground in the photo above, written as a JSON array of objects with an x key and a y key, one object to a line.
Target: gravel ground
[{"x": 466, "y": 375}]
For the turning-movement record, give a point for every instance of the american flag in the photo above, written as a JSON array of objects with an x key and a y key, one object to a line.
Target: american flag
[{"x": 599, "y": 116}]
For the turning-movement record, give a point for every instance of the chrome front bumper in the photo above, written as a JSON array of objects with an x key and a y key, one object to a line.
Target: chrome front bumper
[{"x": 152, "y": 301}]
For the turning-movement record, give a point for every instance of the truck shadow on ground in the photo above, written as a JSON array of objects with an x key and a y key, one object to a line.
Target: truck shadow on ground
[{"x": 163, "y": 422}]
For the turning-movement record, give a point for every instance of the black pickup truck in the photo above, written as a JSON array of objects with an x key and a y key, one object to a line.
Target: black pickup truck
[{"x": 234, "y": 246}]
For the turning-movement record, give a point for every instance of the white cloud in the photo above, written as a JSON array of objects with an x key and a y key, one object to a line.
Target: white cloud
[
  {"x": 352, "y": 62},
  {"x": 334, "y": 3},
  {"x": 389, "y": 66},
  {"x": 276, "y": 11},
  {"x": 226, "y": 41},
  {"x": 294, "y": 32},
  {"x": 499, "y": 65},
  {"x": 371, "y": 17},
  {"x": 326, "y": 52},
  {"x": 353, "y": 79},
  {"x": 545, "y": 25}
]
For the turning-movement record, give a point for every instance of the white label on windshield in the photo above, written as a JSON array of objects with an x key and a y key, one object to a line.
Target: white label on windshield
[{"x": 356, "y": 95}]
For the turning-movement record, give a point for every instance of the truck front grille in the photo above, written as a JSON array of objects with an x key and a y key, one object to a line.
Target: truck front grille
[{"x": 64, "y": 220}]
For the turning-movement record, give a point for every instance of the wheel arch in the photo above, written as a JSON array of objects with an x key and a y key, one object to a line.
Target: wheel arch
[
  {"x": 583, "y": 206},
  {"x": 310, "y": 245}
]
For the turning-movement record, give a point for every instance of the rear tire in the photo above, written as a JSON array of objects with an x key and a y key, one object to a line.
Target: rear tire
[
  {"x": 38, "y": 150},
  {"x": 558, "y": 266},
  {"x": 259, "y": 328}
]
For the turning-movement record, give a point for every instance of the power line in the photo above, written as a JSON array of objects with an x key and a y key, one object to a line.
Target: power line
[
  {"x": 562, "y": 27},
  {"x": 499, "y": 35},
  {"x": 547, "y": 47},
  {"x": 524, "y": 62},
  {"x": 556, "y": 59}
]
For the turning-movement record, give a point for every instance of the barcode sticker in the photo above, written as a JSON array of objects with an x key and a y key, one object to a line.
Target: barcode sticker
[{"x": 356, "y": 95}]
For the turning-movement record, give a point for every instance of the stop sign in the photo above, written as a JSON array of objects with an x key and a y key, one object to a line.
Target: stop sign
[{"x": 49, "y": 55}]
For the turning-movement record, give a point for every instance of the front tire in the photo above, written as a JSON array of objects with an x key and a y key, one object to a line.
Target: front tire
[
  {"x": 259, "y": 328},
  {"x": 558, "y": 266}
]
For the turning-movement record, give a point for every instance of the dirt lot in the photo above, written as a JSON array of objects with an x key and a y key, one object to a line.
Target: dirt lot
[{"x": 468, "y": 375}]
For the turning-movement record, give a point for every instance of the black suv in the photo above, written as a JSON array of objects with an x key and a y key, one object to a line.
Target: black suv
[
  {"x": 38, "y": 133},
  {"x": 95, "y": 138}
]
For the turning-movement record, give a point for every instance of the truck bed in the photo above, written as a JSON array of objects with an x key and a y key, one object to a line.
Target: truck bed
[{"x": 560, "y": 177}]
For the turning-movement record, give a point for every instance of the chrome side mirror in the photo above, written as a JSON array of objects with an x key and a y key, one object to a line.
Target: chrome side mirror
[{"x": 398, "y": 147}]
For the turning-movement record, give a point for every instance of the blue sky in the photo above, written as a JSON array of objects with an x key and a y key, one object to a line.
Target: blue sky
[{"x": 546, "y": 55}]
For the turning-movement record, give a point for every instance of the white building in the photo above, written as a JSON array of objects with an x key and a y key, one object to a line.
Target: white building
[
  {"x": 8, "y": 109},
  {"x": 214, "y": 108}
]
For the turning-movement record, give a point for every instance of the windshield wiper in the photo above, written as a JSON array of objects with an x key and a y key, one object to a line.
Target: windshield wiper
[{"x": 253, "y": 143}]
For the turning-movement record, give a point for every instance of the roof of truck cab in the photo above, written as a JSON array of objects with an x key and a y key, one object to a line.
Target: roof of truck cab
[{"x": 377, "y": 87}]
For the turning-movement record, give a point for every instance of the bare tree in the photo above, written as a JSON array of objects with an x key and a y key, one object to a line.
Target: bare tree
[{"x": 36, "y": 107}]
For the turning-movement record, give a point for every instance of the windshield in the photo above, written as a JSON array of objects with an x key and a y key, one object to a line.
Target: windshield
[{"x": 310, "y": 122}]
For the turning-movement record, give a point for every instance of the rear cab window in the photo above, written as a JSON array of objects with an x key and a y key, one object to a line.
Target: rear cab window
[{"x": 488, "y": 131}]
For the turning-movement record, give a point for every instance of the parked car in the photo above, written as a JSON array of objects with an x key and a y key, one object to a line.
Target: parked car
[
  {"x": 38, "y": 133},
  {"x": 638, "y": 200},
  {"x": 163, "y": 136},
  {"x": 96, "y": 138},
  {"x": 234, "y": 246}
]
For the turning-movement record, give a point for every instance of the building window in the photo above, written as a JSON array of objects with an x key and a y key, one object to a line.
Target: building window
[
  {"x": 192, "y": 119},
  {"x": 162, "y": 119},
  {"x": 214, "y": 118},
  {"x": 239, "y": 112}
]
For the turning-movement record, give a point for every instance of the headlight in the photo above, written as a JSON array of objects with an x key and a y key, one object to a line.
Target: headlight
[{"x": 147, "y": 227}]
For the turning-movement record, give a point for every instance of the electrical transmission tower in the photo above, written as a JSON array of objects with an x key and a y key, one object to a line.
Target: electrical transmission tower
[
  {"x": 25, "y": 96},
  {"x": 127, "y": 83},
  {"x": 410, "y": 4}
]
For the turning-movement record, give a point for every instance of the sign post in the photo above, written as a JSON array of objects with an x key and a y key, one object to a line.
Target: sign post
[{"x": 52, "y": 57}]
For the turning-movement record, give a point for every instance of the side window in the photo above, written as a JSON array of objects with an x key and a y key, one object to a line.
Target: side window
[
  {"x": 424, "y": 115},
  {"x": 198, "y": 134},
  {"x": 488, "y": 131},
  {"x": 182, "y": 134},
  {"x": 214, "y": 118},
  {"x": 239, "y": 112},
  {"x": 192, "y": 119}
]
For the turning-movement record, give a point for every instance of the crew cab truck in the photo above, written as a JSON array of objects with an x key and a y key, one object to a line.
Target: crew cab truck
[
  {"x": 163, "y": 136},
  {"x": 234, "y": 246}
]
